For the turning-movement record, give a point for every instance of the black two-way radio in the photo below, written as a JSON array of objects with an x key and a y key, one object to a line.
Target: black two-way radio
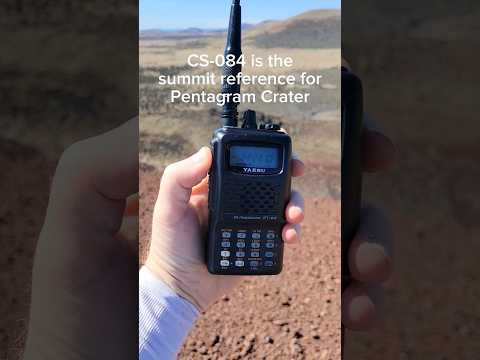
[
  {"x": 352, "y": 113},
  {"x": 249, "y": 183}
]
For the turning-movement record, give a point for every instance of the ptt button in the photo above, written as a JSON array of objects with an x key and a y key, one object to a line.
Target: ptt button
[
  {"x": 254, "y": 263},
  {"x": 241, "y": 235},
  {"x": 239, "y": 263},
  {"x": 270, "y": 245},
  {"x": 240, "y": 254},
  {"x": 255, "y": 236},
  {"x": 225, "y": 253},
  {"x": 225, "y": 263},
  {"x": 269, "y": 254},
  {"x": 240, "y": 244},
  {"x": 226, "y": 244},
  {"x": 226, "y": 234},
  {"x": 268, "y": 263},
  {"x": 255, "y": 254},
  {"x": 255, "y": 245},
  {"x": 270, "y": 236}
]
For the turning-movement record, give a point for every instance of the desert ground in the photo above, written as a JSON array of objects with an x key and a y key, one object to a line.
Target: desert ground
[{"x": 295, "y": 315}]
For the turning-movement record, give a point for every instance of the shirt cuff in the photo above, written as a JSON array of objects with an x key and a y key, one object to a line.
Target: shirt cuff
[{"x": 165, "y": 319}]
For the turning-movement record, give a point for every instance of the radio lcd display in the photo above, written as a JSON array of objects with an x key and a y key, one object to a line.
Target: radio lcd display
[{"x": 255, "y": 157}]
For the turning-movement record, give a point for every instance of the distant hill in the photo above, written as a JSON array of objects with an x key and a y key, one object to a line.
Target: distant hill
[
  {"x": 313, "y": 29},
  {"x": 186, "y": 33},
  {"x": 179, "y": 34}
]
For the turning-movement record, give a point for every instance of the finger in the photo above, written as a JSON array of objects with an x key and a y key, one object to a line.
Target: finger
[
  {"x": 295, "y": 210},
  {"x": 93, "y": 179},
  {"x": 298, "y": 167},
  {"x": 291, "y": 233},
  {"x": 370, "y": 254},
  {"x": 201, "y": 188},
  {"x": 177, "y": 183},
  {"x": 360, "y": 307},
  {"x": 200, "y": 204},
  {"x": 378, "y": 151}
]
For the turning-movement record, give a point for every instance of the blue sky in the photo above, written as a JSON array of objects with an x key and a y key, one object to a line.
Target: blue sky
[{"x": 180, "y": 14}]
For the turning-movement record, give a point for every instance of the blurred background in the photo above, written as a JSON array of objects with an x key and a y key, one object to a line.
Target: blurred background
[
  {"x": 68, "y": 71},
  {"x": 295, "y": 315},
  {"x": 415, "y": 60}
]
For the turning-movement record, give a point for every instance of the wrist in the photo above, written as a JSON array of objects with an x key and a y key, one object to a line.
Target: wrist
[
  {"x": 165, "y": 318},
  {"x": 172, "y": 282}
]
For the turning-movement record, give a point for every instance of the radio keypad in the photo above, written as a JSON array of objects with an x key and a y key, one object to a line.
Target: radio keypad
[{"x": 255, "y": 248}]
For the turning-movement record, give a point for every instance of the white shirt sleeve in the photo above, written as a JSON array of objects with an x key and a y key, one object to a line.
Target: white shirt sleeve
[{"x": 165, "y": 319}]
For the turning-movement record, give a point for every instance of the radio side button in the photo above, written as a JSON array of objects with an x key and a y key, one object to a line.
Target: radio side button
[
  {"x": 270, "y": 235},
  {"x": 270, "y": 245},
  {"x": 256, "y": 236},
  {"x": 226, "y": 244},
  {"x": 225, "y": 253},
  {"x": 255, "y": 254},
  {"x": 268, "y": 263},
  {"x": 269, "y": 254},
  {"x": 224, "y": 263},
  {"x": 255, "y": 245},
  {"x": 239, "y": 263},
  {"x": 254, "y": 263},
  {"x": 240, "y": 244},
  {"x": 226, "y": 234},
  {"x": 241, "y": 235},
  {"x": 240, "y": 254}
]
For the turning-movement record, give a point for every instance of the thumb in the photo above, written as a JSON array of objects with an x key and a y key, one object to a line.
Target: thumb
[{"x": 177, "y": 183}]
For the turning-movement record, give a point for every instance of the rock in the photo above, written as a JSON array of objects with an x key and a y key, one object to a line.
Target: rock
[
  {"x": 298, "y": 334},
  {"x": 280, "y": 322},
  {"x": 269, "y": 340},
  {"x": 296, "y": 347},
  {"x": 215, "y": 340}
]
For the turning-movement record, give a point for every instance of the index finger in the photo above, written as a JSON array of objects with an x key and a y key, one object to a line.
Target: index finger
[{"x": 298, "y": 167}]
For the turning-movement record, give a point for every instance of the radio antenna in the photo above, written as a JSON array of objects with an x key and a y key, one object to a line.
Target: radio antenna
[{"x": 234, "y": 47}]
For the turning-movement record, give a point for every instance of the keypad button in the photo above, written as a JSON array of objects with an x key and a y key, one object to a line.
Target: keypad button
[
  {"x": 226, "y": 234},
  {"x": 226, "y": 244},
  {"x": 225, "y": 253},
  {"x": 256, "y": 236},
  {"x": 240, "y": 254},
  {"x": 255, "y": 245},
  {"x": 239, "y": 263},
  {"x": 241, "y": 235},
  {"x": 269, "y": 254},
  {"x": 254, "y": 263},
  {"x": 268, "y": 263},
  {"x": 270, "y": 245},
  {"x": 224, "y": 263},
  {"x": 240, "y": 244},
  {"x": 270, "y": 235},
  {"x": 255, "y": 254}
]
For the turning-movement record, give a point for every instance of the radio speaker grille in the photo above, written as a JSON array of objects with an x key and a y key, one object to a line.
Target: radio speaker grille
[{"x": 252, "y": 198}]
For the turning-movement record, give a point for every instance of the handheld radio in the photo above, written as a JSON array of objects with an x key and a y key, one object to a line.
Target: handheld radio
[
  {"x": 249, "y": 183},
  {"x": 352, "y": 113}
]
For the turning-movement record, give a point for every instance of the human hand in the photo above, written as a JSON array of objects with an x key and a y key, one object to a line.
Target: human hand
[
  {"x": 369, "y": 256},
  {"x": 179, "y": 229},
  {"x": 85, "y": 276}
]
